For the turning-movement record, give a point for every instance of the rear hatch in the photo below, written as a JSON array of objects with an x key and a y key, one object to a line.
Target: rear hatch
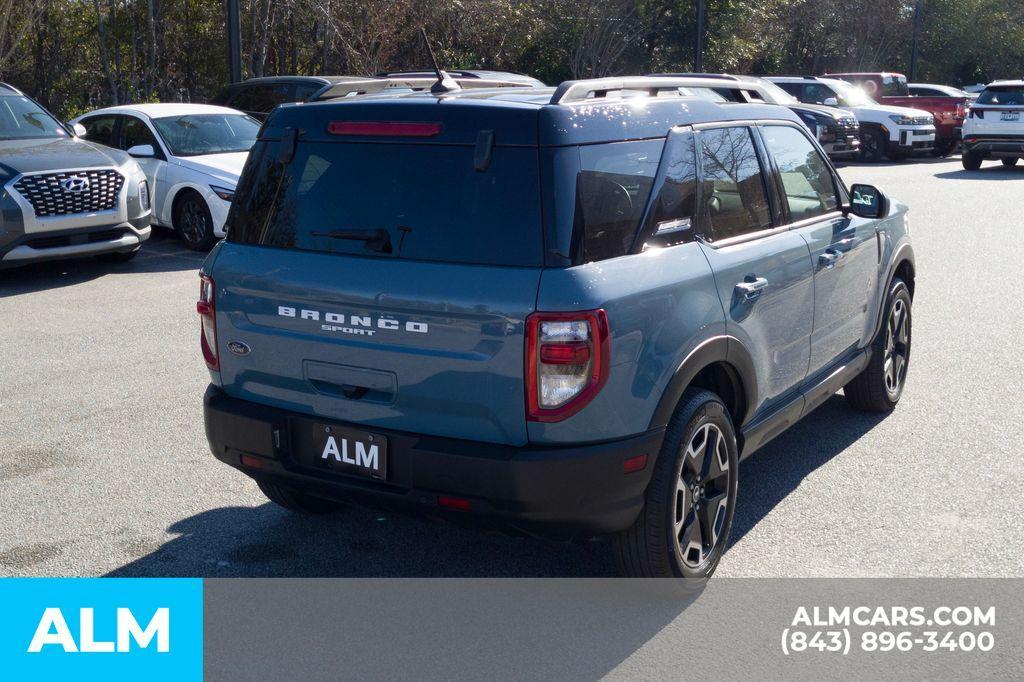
[
  {"x": 998, "y": 112},
  {"x": 382, "y": 274}
]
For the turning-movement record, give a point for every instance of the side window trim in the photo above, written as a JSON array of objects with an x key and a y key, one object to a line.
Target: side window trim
[{"x": 646, "y": 232}]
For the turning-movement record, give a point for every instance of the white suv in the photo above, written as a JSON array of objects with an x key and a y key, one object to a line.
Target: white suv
[
  {"x": 994, "y": 127},
  {"x": 885, "y": 131}
]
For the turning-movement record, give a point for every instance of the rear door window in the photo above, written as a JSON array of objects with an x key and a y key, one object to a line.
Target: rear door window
[
  {"x": 806, "y": 179},
  {"x": 733, "y": 189},
  {"x": 263, "y": 98},
  {"x": 393, "y": 200},
  {"x": 612, "y": 190}
]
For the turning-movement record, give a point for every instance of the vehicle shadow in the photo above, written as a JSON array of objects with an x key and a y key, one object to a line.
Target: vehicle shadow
[
  {"x": 355, "y": 542},
  {"x": 162, "y": 252},
  {"x": 997, "y": 172},
  {"x": 774, "y": 471}
]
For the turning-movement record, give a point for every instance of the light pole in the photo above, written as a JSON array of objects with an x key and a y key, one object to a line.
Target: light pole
[
  {"x": 698, "y": 56},
  {"x": 913, "y": 43},
  {"x": 234, "y": 26}
]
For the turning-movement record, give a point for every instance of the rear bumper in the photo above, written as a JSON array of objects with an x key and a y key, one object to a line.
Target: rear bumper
[
  {"x": 552, "y": 491},
  {"x": 995, "y": 146}
]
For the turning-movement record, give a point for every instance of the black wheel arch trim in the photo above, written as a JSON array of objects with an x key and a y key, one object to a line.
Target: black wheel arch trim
[
  {"x": 904, "y": 254},
  {"x": 718, "y": 349}
]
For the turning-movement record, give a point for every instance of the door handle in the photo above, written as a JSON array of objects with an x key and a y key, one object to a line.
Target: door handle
[
  {"x": 830, "y": 258},
  {"x": 751, "y": 288}
]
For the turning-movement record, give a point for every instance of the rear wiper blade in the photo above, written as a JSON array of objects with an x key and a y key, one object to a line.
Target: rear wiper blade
[{"x": 376, "y": 240}]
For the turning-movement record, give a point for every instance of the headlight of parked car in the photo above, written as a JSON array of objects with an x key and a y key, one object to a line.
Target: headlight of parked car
[
  {"x": 903, "y": 120},
  {"x": 227, "y": 194}
]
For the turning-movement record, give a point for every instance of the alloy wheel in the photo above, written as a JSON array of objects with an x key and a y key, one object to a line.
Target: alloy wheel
[
  {"x": 194, "y": 223},
  {"x": 702, "y": 495},
  {"x": 897, "y": 348}
]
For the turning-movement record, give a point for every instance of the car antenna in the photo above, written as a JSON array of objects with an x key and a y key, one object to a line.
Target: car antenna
[{"x": 445, "y": 83}]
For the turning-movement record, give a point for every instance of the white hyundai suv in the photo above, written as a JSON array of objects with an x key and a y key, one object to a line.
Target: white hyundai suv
[
  {"x": 994, "y": 127},
  {"x": 885, "y": 131}
]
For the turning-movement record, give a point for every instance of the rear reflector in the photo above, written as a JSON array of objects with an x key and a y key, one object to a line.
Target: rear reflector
[
  {"x": 385, "y": 128},
  {"x": 456, "y": 503},
  {"x": 634, "y": 464},
  {"x": 252, "y": 462}
]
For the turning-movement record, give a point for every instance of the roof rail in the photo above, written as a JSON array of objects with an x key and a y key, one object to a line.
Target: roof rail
[
  {"x": 581, "y": 90},
  {"x": 375, "y": 84}
]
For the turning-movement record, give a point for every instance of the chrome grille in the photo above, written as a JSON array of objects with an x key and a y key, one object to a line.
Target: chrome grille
[
  {"x": 849, "y": 125},
  {"x": 924, "y": 120},
  {"x": 49, "y": 197}
]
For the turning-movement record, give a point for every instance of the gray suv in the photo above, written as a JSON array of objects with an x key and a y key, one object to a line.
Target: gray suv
[{"x": 64, "y": 197}]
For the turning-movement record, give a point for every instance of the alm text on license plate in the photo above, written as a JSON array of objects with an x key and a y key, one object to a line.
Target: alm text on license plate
[{"x": 350, "y": 451}]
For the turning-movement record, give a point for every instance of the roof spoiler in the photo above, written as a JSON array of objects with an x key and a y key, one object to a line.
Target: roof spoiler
[
  {"x": 583, "y": 90},
  {"x": 373, "y": 85}
]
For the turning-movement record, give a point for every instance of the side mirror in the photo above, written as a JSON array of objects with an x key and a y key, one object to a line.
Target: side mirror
[
  {"x": 868, "y": 202},
  {"x": 142, "y": 151},
  {"x": 79, "y": 129},
  {"x": 831, "y": 102}
]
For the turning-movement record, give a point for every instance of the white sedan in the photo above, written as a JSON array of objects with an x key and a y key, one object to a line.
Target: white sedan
[{"x": 192, "y": 155}]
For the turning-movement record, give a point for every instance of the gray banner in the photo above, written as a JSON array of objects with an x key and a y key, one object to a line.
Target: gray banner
[{"x": 332, "y": 629}]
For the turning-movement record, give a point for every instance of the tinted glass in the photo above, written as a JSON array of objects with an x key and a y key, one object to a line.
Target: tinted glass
[
  {"x": 1012, "y": 96},
  {"x": 670, "y": 220},
  {"x": 817, "y": 93},
  {"x": 733, "y": 186},
  {"x": 612, "y": 190},
  {"x": 197, "y": 134},
  {"x": 22, "y": 119},
  {"x": 794, "y": 89},
  {"x": 262, "y": 98},
  {"x": 304, "y": 91},
  {"x": 135, "y": 132},
  {"x": 100, "y": 129},
  {"x": 429, "y": 199},
  {"x": 806, "y": 178}
]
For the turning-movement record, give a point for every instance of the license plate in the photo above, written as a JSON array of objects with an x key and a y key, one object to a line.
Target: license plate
[
  {"x": 349, "y": 451},
  {"x": 1010, "y": 116}
]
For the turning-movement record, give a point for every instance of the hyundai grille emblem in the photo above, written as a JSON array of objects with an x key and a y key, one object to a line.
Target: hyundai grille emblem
[{"x": 75, "y": 184}]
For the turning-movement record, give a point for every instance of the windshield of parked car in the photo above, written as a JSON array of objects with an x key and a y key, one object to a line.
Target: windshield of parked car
[
  {"x": 851, "y": 96},
  {"x": 197, "y": 134},
  {"x": 777, "y": 94},
  {"x": 1012, "y": 95},
  {"x": 23, "y": 119}
]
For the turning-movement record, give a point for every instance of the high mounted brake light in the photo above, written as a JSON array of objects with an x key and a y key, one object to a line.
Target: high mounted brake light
[
  {"x": 567, "y": 358},
  {"x": 384, "y": 128},
  {"x": 206, "y": 307}
]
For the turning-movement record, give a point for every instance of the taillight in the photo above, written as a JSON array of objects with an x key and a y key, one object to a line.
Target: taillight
[
  {"x": 960, "y": 110},
  {"x": 206, "y": 307},
  {"x": 566, "y": 362}
]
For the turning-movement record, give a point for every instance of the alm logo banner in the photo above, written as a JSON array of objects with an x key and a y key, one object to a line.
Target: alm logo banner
[{"x": 101, "y": 628}]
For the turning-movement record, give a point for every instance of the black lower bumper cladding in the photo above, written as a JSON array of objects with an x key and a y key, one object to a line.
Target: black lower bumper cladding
[{"x": 552, "y": 491}]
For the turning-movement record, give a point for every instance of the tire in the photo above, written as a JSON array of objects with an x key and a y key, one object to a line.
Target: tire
[
  {"x": 1011, "y": 162},
  {"x": 657, "y": 544},
  {"x": 971, "y": 161},
  {"x": 872, "y": 145},
  {"x": 193, "y": 222},
  {"x": 296, "y": 501},
  {"x": 944, "y": 148},
  {"x": 880, "y": 385},
  {"x": 117, "y": 256}
]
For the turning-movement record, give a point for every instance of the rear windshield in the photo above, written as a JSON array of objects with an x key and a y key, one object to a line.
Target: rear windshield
[
  {"x": 391, "y": 200},
  {"x": 894, "y": 86},
  {"x": 1011, "y": 95}
]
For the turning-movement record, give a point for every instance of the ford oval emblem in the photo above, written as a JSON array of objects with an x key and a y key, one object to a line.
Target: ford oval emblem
[{"x": 239, "y": 348}]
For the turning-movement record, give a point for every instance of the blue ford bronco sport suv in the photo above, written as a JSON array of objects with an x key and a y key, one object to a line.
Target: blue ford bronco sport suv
[{"x": 570, "y": 311}]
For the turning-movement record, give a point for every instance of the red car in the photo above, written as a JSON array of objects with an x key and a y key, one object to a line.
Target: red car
[{"x": 891, "y": 88}]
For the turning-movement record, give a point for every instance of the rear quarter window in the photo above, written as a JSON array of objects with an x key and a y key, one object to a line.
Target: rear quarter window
[
  {"x": 1010, "y": 96},
  {"x": 612, "y": 189}
]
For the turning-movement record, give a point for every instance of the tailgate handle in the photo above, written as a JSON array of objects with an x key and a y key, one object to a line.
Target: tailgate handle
[{"x": 354, "y": 392}]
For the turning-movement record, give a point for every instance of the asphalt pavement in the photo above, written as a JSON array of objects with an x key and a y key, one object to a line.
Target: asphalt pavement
[{"x": 104, "y": 467}]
